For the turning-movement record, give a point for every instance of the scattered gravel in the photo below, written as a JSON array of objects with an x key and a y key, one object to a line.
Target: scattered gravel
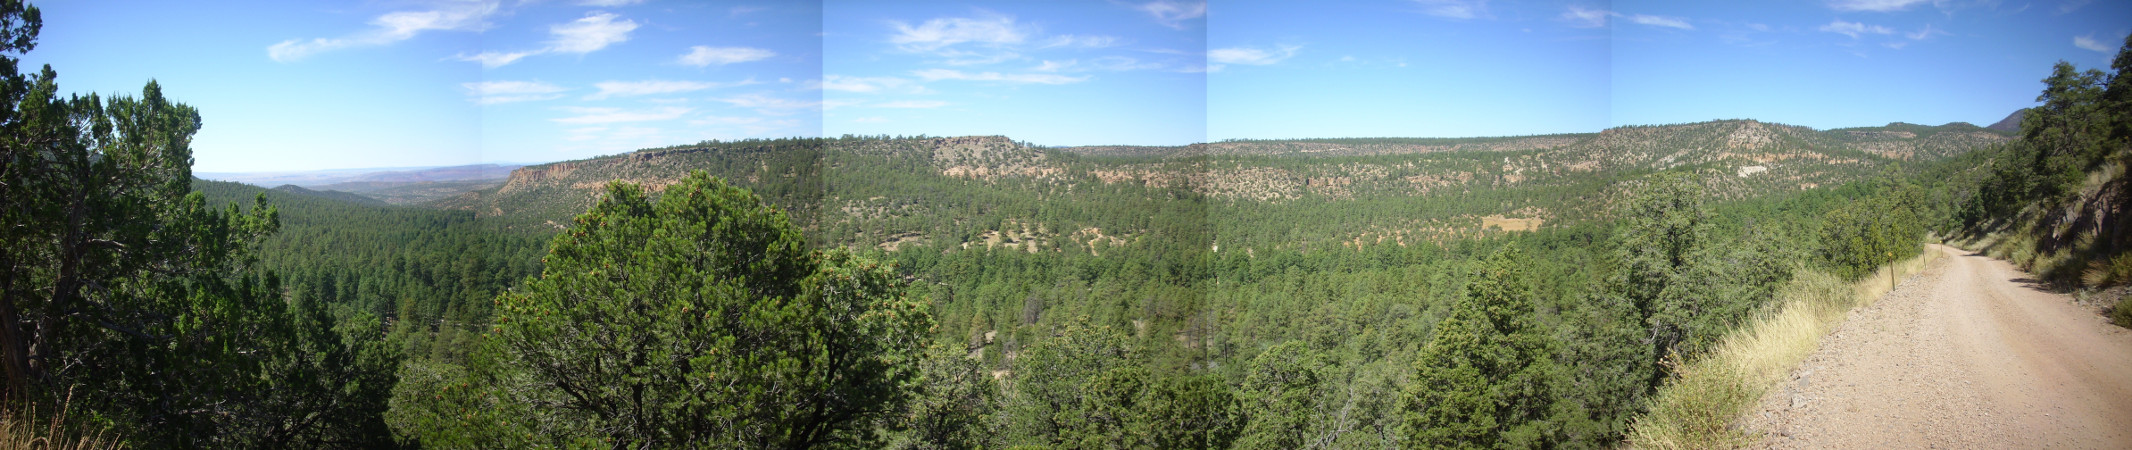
[{"x": 1969, "y": 354}]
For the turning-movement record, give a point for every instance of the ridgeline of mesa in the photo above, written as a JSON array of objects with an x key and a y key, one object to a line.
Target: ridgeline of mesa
[{"x": 990, "y": 191}]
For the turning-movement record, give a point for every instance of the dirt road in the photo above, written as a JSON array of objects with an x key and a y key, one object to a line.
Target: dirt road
[{"x": 1968, "y": 354}]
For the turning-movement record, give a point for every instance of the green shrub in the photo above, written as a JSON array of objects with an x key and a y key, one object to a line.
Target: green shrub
[{"x": 2121, "y": 313}]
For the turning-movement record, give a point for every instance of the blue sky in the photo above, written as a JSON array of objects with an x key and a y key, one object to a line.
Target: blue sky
[
  {"x": 300, "y": 85},
  {"x": 1053, "y": 73},
  {"x": 1447, "y": 68}
]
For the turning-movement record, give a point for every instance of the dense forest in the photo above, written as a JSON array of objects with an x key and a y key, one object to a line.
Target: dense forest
[{"x": 977, "y": 292}]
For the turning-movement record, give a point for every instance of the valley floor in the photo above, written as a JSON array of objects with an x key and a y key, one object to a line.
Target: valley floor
[{"x": 1969, "y": 354}]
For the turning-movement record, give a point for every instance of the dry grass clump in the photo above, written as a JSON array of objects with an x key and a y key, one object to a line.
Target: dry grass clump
[
  {"x": 2121, "y": 313},
  {"x": 24, "y": 431},
  {"x": 1698, "y": 408}
]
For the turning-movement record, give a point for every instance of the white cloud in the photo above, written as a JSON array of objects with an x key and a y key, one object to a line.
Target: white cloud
[
  {"x": 1873, "y": 5},
  {"x": 620, "y": 138},
  {"x": 1854, "y": 29},
  {"x": 1173, "y": 14},
  {"x": 1068, "y": 40},
  {"x": 870, "y": 120},
  {"x": 870, "y": 84},
  {"x": 609, "y": 3},
  {"x": 1454, "y": 9},
  {"x": 651, "y": 87},
  {"x": 704, "y": 55},
  {"x": 593, "y": 32},
  {"x": 1661, "y": 21},
  {"x": 393, "y": 27},
  {"x": 1578, "y": 16},
  {"x": 1054, "y": 66},
  {"x": 965, "y": 58},
  {"x": 721, "y": 120},
  {"x": 739, "y": 10},
  {"x": 2089, "y": 42},
  {"x": 937, "y": 33},
  {"x": 1121, "y": 63},
  {"x": 588, "y": 115},
  {"x": 912, "y": 104},
  {"x": 1924, "y": 33},
  {"x": 494, "y": 92},
  {"x": 770, "y": 105},
  {"x": 1038, "y": 78},
  {"x": 1248, "y": 56},
  {"x": 494, "y": 59}
]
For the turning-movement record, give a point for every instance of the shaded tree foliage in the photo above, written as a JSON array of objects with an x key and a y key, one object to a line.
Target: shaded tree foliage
[
  {"x": 122, "y": 287},
  {"x": 700, "y": 319}
]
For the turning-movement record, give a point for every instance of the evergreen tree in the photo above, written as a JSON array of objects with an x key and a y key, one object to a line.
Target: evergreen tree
[
  {"x": 704, "y": 319},
  {"x": 120, "y": 284},
  {"x": 1487, "y": 379}
]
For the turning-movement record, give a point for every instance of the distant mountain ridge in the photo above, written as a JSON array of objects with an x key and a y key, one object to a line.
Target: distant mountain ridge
[
  {"x": 318, "y": 178},
  {"x": 2012, "y": 122},
  {"x": 893, "y": 193}
]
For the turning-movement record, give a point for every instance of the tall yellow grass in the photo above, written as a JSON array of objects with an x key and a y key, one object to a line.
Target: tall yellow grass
[
  {"x": 1698, "y": 408},
  {"x": 23, "y": 431}
]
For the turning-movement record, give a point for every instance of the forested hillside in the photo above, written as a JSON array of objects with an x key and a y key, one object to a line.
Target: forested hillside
[
  {"x": 1301, "y": 281},
  {"x": 975, "y": 292}
]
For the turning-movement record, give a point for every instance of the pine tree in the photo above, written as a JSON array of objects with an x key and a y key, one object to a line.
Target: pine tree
[
  {"x": 1487, "y": 379},
  {"x": 703, "y": 319}
]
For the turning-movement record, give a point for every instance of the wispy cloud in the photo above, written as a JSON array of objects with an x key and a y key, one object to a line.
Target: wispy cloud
[
  {"x": 1220, "y": 57},
  {"x": 1873, "y": 5},
  {"x": 704, "y": 55},
  {"x": 585, "y": 35},
  {"x": 1582, "y": 17},
  {"x": 1927, "y": 32},
  {"x": 1454, "y": 9},
  {"x": 591, "y": 115},
  {"x": 1854, "y": 29},
  {"x": 1174, "y": 14},
  {"x": 1073, "y": 41},
  {"x": 770, "y": 105},
  {"x": 616, "y": 138},
  {"x": 609, "y": 3},
  {"x": 1660, "y": 21},
  {"x": 2089, "y": 42},
  {"x": 870, "y": 120},
  {"x": 1121, "y": 63},
  {"x": 653, "y": 87},
  {"x": 593, "y": 32},
  {"x": 1054, "y": 66},
  {"x": 724, "y": 120},
  {"x": 938, "y": 33},
  {"x": 911, "y": 104},
  {"x": 866, "y": 85},
  {"x": 392, "y": 27},
  {"x": 742, "y": 10},
  {"x": 495, "y": 59},
  {"x": 1024, "y": 78},
  {"x": 494, "y": 92}
]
